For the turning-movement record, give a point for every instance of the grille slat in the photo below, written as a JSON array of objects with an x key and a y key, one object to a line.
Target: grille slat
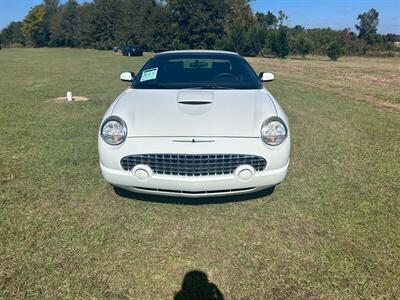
[{"x": 193, "y": 164}]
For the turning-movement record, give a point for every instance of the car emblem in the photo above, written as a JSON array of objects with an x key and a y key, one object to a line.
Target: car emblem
[{"x": 193, "y": 141}]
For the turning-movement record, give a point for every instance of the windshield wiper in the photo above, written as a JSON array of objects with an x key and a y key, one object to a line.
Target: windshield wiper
[
  {"x": 153, "y": 86},
  {"x": 210, "y": 87},
  {"x": 199, "y": 87}
]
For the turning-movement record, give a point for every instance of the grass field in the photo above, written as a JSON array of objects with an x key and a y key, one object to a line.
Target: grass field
[
  {"x": 373, "y": 80},
  {"x": 330, "y": 230}
]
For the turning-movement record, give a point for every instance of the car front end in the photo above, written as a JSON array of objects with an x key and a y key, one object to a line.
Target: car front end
[{"x": 194, "y": 142}]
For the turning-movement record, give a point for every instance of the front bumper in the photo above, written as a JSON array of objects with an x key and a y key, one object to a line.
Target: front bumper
[{"x": 194, "y": 186}]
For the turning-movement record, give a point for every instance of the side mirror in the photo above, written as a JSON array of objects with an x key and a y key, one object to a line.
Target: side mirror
[
  {"x": 127, "y": 76},
  {"x": 266, "y": 76}
]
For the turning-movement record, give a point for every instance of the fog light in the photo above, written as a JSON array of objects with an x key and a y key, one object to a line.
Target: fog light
[
  {"x": 244, "y": 172},
  {"x": 142, "y": 172},
  {"x": 245, "y": 175}
]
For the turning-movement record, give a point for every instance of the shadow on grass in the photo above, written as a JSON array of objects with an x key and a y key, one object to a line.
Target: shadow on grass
[
  {"x": 195, "y": 286},
  {"x": 192, "y": 201}
]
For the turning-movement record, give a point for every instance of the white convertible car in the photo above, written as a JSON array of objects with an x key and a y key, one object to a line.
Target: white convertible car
[{"x": 195, "y": 124}]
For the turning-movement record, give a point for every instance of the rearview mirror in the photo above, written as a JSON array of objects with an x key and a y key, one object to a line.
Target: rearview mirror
[
  {"x": 266, "y": 76},
  {"x": 127, "y": 76}
]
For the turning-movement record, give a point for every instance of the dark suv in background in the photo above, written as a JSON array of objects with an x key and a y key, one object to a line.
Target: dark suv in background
[{"x": 132, "y": 50}]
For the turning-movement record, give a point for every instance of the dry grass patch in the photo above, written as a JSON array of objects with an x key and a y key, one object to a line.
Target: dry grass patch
[
  {"x": 74, "y": 99},
  {"x": 374, "y": 80}
]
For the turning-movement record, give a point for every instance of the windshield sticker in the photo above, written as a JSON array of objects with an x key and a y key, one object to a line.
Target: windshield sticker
[{"x": 149, "y": 74}]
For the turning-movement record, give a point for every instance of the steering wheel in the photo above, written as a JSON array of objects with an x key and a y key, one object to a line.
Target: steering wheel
[{"x": 224, "y": 75}]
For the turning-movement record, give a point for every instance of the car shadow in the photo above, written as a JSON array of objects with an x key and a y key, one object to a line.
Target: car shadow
[
  {"x": 192, "y": 201},
  {"x": 196, "y": 286}
]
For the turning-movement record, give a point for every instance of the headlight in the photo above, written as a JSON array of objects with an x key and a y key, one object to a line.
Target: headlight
[
  {"x": 113, "y": 131},
  {"x": 274, "y": 131}
]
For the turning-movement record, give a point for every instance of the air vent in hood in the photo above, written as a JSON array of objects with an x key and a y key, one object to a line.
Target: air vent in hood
[
  {"x": 195, "y": 102},
  {"x": 195, "y": 97}
]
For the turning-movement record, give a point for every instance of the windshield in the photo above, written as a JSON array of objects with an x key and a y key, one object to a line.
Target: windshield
[{"x": 197, "y": 71}]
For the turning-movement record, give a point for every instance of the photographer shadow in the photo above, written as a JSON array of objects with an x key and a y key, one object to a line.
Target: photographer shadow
[{"x": 196, "y": 286}]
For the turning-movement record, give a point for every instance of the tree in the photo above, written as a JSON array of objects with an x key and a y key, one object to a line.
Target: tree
[
  {"x": 161, "y": 34},
  {"x": 139, "y": 12},
  {"x": 282, "y": 17},
  {"x": 268, "y": 20},
  {"x": 257, "y": 39},
  {"x": 303, "y": 46},
  {"x": 235, "y": 40},
  {"x": 239, "y": 13},
  {"x": 243, "y": 33},
  {"x": 12, "y": 34},
  {"x": 33, "y": 27},
  {"x": 334, "y": 51},
  {"x": 187, "y": 24},
  {"x": 245, "y": 42},
  {"x": 199, "y": 23},
  {"x": 368, "y": 25},
  {"x": 352, "y": 45},
  {"x": 107, "y": 24},
  {"x": 86, "y": 17},
  {"x": 321, "y": 39},
  {"x": 69, "y": 21},
  {"x": 51, "y": 8},
  {"x": 280, "y": 44}
]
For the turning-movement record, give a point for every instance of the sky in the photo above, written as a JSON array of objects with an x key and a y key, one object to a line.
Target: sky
[{"x": 337, "y": 14}]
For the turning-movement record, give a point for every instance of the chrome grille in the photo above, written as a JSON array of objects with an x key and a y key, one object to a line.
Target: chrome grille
[{"x": 193, "y": 164}]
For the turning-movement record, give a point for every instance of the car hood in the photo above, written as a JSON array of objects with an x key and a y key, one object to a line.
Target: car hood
[{"x": 194, "y": 113}]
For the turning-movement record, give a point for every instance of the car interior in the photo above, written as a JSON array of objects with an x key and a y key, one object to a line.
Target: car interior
[{"x": 197, "y": 71}]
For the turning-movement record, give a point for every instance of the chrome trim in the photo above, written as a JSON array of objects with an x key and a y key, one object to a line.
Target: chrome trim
[
  {"x": 118, "y": 119},
  {"x": 179, "y": 164},
  {"x": 270, "y": 120},
  {"x": 197, "y": 193}
]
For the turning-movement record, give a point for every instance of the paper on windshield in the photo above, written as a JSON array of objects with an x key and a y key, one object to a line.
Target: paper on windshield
[{"x": 149, "y": 74}]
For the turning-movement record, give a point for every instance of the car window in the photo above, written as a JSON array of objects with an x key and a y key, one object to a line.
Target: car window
[{"x": 197, "y": 70}]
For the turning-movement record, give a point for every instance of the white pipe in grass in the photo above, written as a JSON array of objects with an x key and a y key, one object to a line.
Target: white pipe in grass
[{"x": 69, "y": 96}]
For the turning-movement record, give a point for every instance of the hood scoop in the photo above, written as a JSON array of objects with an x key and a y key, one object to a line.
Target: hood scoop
[
  {"x": 194, "y": 102},
  {"x": 195, "y": 97}
]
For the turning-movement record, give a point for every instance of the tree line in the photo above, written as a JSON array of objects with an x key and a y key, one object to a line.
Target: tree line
[{"x": 185, "y": 24}]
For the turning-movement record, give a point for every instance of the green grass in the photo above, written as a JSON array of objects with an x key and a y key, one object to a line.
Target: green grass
[{"x": 330, "y": 230}]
